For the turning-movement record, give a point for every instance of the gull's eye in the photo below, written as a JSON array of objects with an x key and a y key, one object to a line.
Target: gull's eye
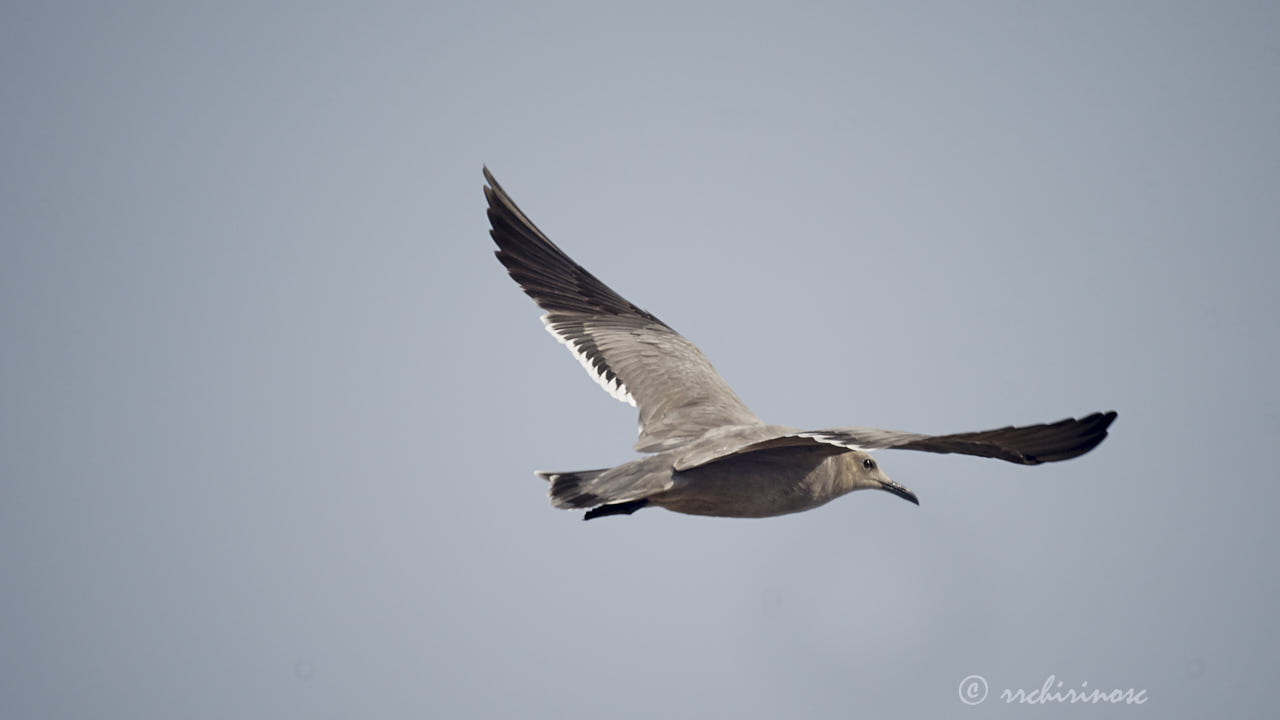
[{"x": 869, "y": 464}]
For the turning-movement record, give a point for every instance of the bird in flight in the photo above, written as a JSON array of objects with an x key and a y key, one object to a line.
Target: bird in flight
[{"x": 707, "y": 454}]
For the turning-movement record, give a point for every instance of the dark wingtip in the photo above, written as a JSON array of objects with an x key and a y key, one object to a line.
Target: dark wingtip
[
  {"x": 622, "y": 508},
  {"x": 1090, "y": 431}
]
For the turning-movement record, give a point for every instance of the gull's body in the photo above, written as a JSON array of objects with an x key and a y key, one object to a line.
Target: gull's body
[{"x": 710, "y": 454}]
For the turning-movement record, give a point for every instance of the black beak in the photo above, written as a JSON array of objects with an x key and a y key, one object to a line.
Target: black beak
[{"x": 900, "y": 491}]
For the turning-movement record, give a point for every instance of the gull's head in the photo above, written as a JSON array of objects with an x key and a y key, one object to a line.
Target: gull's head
[{"x": 867, "y": 475}]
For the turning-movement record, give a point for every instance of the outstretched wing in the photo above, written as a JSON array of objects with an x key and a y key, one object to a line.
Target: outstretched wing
[
  {"x": 633, "y": 355},
  {"x": 1028, "y": 445}
]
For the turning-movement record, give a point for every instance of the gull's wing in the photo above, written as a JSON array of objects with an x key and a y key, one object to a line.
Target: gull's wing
[
  {"x": 1028, "y": 445},
  {"x": 634, "y": 356}
]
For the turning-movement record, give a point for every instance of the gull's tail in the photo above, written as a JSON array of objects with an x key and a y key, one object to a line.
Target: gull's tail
[
  {"x": 609, "y": 491},
  {"x": 568, "y": 489}
]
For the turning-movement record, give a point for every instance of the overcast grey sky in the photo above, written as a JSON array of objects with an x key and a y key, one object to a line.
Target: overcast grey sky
[{"x": 269, "y": 408}]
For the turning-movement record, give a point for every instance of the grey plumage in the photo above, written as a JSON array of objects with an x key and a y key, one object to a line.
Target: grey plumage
[{"x": 712, "y": 455}]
